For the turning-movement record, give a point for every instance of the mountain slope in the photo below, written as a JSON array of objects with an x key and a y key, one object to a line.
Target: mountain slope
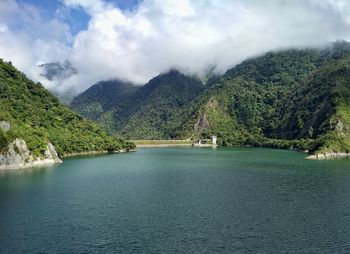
[
  {"x": 290, "y": 98},
  {"x": 148, "y": 112},
  {"x": 157, "y": 104},
  {"x": 101, "y": 97},
  {"x": 37, "y": 117}
]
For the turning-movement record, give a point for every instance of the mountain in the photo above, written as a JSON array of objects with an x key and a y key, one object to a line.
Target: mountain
[
  {"x": 291, "y": 98},
  {"x": 65, "y": 97},
  {"x": 29, "y": 113},
  {"x": 57, "y": 70},
  {"x": 143, "y": 112},
  {"x": 297, "y": 98},
  {"x": 102, "y": 97}
]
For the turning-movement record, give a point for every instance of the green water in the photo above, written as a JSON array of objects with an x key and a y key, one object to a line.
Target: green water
[{"x": 179, "y": 200}]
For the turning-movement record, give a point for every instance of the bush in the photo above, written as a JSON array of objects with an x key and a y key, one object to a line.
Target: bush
[{"x": 3, "y": 140}]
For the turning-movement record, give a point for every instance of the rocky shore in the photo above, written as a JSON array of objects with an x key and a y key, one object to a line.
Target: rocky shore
[
  {"x": 326, "y": 156},
  {"x": 17, "y": 156}
]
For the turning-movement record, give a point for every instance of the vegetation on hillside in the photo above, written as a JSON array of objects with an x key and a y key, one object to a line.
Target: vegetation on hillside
[
  {"x": 149, "y": 112},
  {"x": 289, "y": 99},
  {"x": 102, "y": 97},
  {"x": 38, "y": 117}
]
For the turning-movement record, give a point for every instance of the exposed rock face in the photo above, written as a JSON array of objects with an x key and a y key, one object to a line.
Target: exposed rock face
[
  {"x": 325, "y": 156},
  {"x": 202, "y": 123},
  {"x": 18, "y": 156},
  {"x": 5, "y": 125},
  {"x": 339, "y": 126}
]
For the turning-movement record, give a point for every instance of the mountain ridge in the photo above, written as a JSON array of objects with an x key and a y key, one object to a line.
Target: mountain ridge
[
  {"x": 146, "y": 107},
  {"x": 297, "y": 98}
]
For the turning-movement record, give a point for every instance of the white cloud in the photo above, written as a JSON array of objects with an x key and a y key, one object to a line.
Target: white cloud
[
  {"x": 27, "y": 39},
  {"x": 91, "y": 6},
  {"x": 161, "y": 34}
]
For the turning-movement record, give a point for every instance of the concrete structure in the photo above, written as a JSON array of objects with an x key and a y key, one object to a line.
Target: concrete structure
[
  {"x": 213, "y": 140},
  {"x": 206, "y": 142}
]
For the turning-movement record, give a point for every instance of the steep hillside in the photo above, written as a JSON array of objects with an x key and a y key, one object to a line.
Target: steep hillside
[
  {"x": 156, "y": 106},
  {"x": 149, "y": 112},
  {"x": 296, "y": 98},
  {"x": 38, "y": 118},
  {"x": 291, "y": 98},
  {"x": 102, "y": 97}
]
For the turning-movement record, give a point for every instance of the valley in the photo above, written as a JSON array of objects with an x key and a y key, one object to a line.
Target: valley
[{"x": 292, "y": 99}]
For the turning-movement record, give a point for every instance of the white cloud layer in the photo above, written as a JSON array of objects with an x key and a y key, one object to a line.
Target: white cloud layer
[{"x": 191, "y": 35}]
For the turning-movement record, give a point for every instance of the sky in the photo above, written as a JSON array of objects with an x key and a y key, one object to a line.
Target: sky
[{"x": 135, "y": 40}]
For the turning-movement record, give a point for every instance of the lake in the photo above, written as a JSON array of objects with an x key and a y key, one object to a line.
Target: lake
[{"x": 179, "y": 200}]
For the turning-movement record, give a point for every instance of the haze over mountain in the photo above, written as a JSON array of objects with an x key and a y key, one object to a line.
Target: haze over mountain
[
  {"x": 136, "y": 40},
  {"x": 290, "y": 98},
  {"x": 58, "y": 71}
]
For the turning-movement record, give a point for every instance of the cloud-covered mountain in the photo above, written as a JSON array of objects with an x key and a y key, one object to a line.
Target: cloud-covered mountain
[
  {"x": 291, "y": 98},
  {"x": 139, "y": 112},
  {"x": 58, "y": 71},
  {"x": 155, "y": 36}
]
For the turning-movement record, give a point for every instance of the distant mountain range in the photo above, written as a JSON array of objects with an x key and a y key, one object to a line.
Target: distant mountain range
[{"x": 290, "y": 98}]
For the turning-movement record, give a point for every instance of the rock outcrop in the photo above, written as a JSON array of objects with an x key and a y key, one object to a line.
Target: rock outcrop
[
  {"x": 5, "y": 126},
  {"x": 325, "y": 156},
  {"x": 18, "y": 156}
]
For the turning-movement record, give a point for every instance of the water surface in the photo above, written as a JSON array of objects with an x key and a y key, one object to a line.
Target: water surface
[{"x": 179, "y": 200}]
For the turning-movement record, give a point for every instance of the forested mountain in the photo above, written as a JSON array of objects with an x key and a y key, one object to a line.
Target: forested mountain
[
  {"x": 102, "y": 97},
  {"x": 298, "y": 98},
  {"x": 145, "y": 112},
  {"x": 290, "y": 98},
  {"x": 37, "y": 117}
]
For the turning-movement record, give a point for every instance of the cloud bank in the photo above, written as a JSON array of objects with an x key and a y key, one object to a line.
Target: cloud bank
[{"x": 157, "y": 35}]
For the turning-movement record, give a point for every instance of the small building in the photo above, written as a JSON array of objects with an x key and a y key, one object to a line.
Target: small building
[
  {"x": 206, "y": 142},
  {"x": 213, "y": 140}
]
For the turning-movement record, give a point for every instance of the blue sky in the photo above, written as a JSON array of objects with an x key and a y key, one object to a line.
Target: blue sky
[
  {"x": 77, "y": 18},
  {"x": 135, "y": 40}
]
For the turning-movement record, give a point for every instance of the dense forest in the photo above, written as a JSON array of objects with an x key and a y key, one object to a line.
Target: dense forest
[
  {"x": 146, "y": 112},
  {"x": 291, "y": 99},
  {"x": 38, "y": 117}
]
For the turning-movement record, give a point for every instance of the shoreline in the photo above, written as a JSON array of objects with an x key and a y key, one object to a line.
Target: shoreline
[
  {"x": 95, "y": 153},
  {"x": 34, "y": 164},
  {"x": 177, "y": 143},
  {"x": 51, "y": 162},
  {"x": 162, "y": 145},
  {"x": 327, "y": 156}
]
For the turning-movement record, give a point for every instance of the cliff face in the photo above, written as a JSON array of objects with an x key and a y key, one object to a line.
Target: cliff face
[
  {"x": 17, "y": 156},
  {"x": 29, "y": 112}
]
